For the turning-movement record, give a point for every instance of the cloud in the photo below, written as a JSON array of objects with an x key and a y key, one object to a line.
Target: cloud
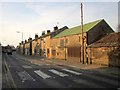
[{"x": 32, "y": 18}]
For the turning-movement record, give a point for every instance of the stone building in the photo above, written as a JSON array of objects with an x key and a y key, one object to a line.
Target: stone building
[
  {"x": 67, "y": 44},
  {"x": 41, "y": 45},
  {"x": 106, "y": 51}
]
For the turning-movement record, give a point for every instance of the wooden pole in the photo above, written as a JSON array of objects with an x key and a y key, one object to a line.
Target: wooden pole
[{"x": 82, "y": 33}]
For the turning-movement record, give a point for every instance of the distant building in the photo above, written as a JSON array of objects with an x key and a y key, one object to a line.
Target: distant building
[{"x": 40, "y": 45}]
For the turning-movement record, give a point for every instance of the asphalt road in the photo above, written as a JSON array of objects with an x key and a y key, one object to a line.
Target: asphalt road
[{"x": 19, "y": 73}]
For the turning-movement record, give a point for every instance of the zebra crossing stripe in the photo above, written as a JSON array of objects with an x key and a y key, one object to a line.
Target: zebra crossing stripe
[
  {"x": 58, "y": 73},
  {"x": 26, "y": 66},
  {"x": 24, "y": 76},
  {"x": 71, "y": 71},
  {"x": 42, "y": 74}
]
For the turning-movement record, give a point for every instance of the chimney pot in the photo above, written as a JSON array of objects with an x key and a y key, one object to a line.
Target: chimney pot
[
  {"x": 55, "y": 28},
  {"x": 30, "y": 39},
  {"x": 43, "y": 33},
  {"x": 36, "y": 36},
  {"x": 48, "y": 31},
  {"x": 25, "y": 41},
  {"x": 22, "y": 42}
]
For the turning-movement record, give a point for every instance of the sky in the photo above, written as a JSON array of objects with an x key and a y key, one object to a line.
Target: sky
[{"x": 33, "y": 17}]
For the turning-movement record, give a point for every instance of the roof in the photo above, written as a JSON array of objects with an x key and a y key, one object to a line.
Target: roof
[
  {"x": 54, "y": 32},
  {"x": 112, "y": 39},
  {"x": 76, "y": 30}
]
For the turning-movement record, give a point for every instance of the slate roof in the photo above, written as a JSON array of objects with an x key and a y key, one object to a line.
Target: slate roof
[
  {"x": 76, "y": 30},
  {"x": 53, "y": 33},
  {"x": 112, "y": 39}
]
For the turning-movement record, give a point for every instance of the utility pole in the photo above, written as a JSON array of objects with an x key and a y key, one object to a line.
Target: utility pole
[
  {"x": 82, "y": 33},
  {"x": 22, "y": 36}
]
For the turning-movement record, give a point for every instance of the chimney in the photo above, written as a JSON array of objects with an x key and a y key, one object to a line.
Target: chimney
[
  {"x": 25, "y": 41},
  {"x": 55, "y": 28},
  {"x": 48, "y": 31},
  {"x": 30, "y": 39},
  {"x": 43, "y": 33},
  {"x": 36, "y": 36},
  {"x": 22, "y": 42}
]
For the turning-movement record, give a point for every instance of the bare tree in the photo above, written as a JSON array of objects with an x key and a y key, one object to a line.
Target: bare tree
[{"x": 119, "y": 28}]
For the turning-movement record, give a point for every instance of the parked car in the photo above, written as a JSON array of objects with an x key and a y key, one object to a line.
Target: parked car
[{"x": 9, "y": 51}]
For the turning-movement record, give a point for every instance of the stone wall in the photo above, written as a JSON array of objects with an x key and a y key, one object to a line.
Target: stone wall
[
  {"x": 109, "y": 56},
  {"x": 71, "y": 50}
]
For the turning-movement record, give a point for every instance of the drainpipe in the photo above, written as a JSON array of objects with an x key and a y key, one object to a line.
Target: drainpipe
[
  {"x": 86, "y": 54},
  {"x": 65, "y": 48},
  {"x": 90, "y": 56}
]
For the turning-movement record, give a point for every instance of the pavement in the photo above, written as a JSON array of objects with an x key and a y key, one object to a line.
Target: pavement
[{"x": 101, "y": 68}]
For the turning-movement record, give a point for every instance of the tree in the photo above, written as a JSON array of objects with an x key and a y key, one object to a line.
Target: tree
[{"x": 119, "y": 28}]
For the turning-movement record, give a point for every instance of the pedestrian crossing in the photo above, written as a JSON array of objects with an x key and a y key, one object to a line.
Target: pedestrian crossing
[
  {"x": 25, "y": 76},
  {"x": 56, "y": 72}
]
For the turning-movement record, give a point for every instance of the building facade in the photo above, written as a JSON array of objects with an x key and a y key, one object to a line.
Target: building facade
[{"x": 68, "y": 44}]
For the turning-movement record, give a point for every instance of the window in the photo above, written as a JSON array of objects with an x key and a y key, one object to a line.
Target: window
[{"x": 62, "y": 42}]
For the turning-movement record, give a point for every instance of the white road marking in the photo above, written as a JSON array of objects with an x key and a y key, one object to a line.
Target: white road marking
[
  {"x": 58, "y": 73},
  {"x": 25, "y": 76},
  {"x": 42, "y": 74},
  {"x": 26, "y": 66},
  {"x": 71, "y": 71}
]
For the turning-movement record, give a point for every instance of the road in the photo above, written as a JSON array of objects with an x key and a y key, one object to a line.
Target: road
[{"x": 18, "y": 73}]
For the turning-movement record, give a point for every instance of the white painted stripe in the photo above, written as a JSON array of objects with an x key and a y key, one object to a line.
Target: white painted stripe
[
  {"x": 26, "y": 66},
  {"x": 58, "y": 73},
  {"x": 71, "y": 71},
  {"x": 24, "y": 76},
  {"x": 42, "y": 74}
]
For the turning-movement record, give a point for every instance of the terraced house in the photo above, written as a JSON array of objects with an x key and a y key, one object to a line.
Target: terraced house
[
  {"x": 67, "y": 44},
  {"x": 40, "y": 45}
]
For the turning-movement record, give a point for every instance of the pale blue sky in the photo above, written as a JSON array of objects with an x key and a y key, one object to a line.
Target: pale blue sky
[{"x": 33, "y": 17}]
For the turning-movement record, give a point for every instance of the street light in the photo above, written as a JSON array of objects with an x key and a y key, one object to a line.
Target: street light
[{"x": 21, "y": 33}]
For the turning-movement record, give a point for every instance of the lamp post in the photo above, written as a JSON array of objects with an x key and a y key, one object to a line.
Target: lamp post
[
  {"x": 21, "y": 42},
  {"x": 21, "y": 33}
]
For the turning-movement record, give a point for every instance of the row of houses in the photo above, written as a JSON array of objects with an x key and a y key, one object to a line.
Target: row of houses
[{"x": 66, "y": 43}]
